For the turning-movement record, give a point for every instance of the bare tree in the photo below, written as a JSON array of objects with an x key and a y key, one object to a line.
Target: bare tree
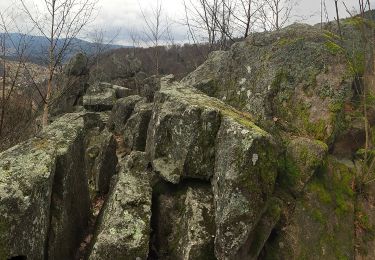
[
  {"x": 338, "y": 18},
  {"x": 247, "y": 15},
  {"x": 201, "y": 19},
  {"x": 17, "y": 50},
  {"x": 155, "y": 29},
  {"x": 62, "y": 21},
  {"x": 3, "y": 101},
  {"x": 135, "y": 39},
  {"x": 276, "y": 13},
  {"x": 223, "y": 21},
  {"x": 100, "y": 46}
]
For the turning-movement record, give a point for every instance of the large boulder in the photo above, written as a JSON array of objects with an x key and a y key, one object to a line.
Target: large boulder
[
  {"x": 288, "y": 79},
  {"x": 99, "y": 97},
  {"x": 303, "y": 158},
  {"x": 70, "y": 85},
  {"x": 77, "y": 66},
  {"x": 193, "y": 136},
  {"x": 115, "y": 66},
  {"x": 261, "y": 234},
  {"x": 244, "y": 180},
  {"x": 124, "y": 230},
  {"x": 181, "y": 136},
  {"x": 321, "y": 224},
  {"x": 40, "y": 181}
]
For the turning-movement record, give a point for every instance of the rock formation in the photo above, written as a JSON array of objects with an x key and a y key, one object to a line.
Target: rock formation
[{"x": 245, "y": 158}]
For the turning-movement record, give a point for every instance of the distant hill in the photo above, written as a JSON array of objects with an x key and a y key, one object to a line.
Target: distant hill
[{"x": 37, "y": 47}]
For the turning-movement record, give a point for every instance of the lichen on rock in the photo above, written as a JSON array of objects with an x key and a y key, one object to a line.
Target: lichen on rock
[
  {"x": 31, "y": 174},
  {"x": 124, "y": 230}
]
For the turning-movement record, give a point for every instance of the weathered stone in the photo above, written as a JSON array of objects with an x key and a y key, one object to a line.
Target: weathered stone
[
  {"x": 124, "y": 230},
  {"x": 149, "y": 87},
  {"x": 135, "y": 130},
  {"x": 287, "y": 79},
  {"x": 321, "y": 226},
  {"x": 99, "y": 97},
  {"x": 122, "y": 92},
  {"x": 96, "y": 120},
  {"x": 100, "y": 160},
  {"x": 245, "y": 175},
  {"x": 185, "y": 225},
  {"x": 303, "y": 157},
  {"x": 70, "y": 206},
  {"x": 121, "y": 112},
  {"x": 71, "y": 86},
  {"x": 261, "y": 233},
  {"x": 77, "y": 66},
  {"x": 40, "y": 180},
  {"x": 181, "y": 136},
  {"x": 114, "y": 67}
]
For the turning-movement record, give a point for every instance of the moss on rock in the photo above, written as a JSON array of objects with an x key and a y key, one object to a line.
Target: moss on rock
[{"x": 322, "y": 223}]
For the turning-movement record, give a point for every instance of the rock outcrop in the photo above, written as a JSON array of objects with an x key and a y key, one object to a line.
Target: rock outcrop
[
  {"x": 248, "y": 157},
  {"x": 124, "y": 230},
  {"x": 287, "y": 79},
  {"x": 72, "y": 85},
  {"x": 321, "y": 226},
  {"x": 244, "y": 180},
  {"x": 40, "y": 182}
]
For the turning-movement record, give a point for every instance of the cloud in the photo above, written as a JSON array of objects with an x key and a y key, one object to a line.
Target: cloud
[{"x": 113, "y": 15}]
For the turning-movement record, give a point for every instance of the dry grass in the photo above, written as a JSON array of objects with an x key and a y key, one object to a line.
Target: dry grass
[{"x": 19, "y": 122}]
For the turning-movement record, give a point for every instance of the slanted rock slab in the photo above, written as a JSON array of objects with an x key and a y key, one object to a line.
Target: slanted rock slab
[
  {"x": 124, "y": 230},
  {"x": 182, "y": 133},
  {"x": 121, "y": 112},
  {"x": 135, "y": 129},
  {"x": 244, "y": 180},
  {"x": 40, "y": 181}
]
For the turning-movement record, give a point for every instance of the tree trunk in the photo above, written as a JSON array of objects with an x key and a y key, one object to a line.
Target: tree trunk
[
  {"x": 47, "y": 103},
  {"x": 3, "y": 102},
  {"x": 3, "y": 91},
  {"x": 51, "y": 66}
]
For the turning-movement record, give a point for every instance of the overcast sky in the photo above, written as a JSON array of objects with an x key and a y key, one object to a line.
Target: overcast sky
[{"x": 125, "y": 15}]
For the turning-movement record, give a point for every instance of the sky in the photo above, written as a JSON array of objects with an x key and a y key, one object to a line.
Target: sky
[{"x": 123, "y": 17}]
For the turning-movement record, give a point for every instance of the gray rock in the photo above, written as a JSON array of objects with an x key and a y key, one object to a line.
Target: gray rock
[
  {"x": 121, "y": 112},
  {"x": 99, "y": 97},
  {"x": 40, "y": 181},
  {"x": 135, "y": 130},
  {"x": 148, "y": 87},
  {"x": 122, "y": 92},
  {"x": 288, "y": 79},
  {"x": 96, "y": 119},
  {"x": 261, "y": 233},
  {"x": 186, "y": 227},
  {"x": 124, "y": 230},
  {"x": 115, "y": 67},
  {"x": 71, "y": 86},
  {"x": 320, "y": 225},
  {"x": 100, "y": 160},
  {"x": 77, "y": 66},
  {"x": 303, "y": 158},
  {"x": 245, "y": 175},
  {"x": 181, "y": 136}
]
